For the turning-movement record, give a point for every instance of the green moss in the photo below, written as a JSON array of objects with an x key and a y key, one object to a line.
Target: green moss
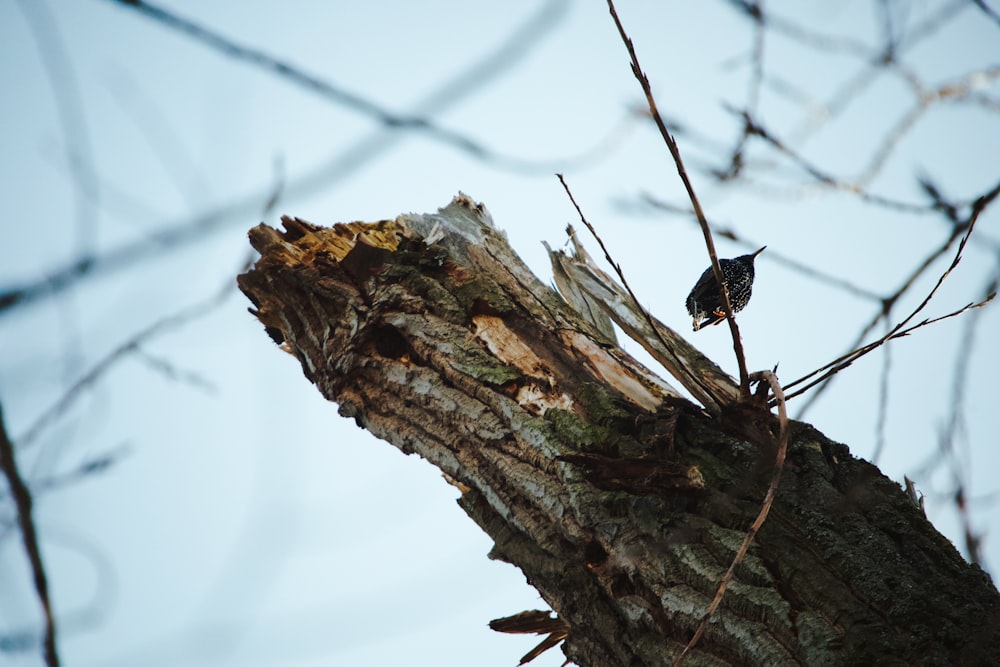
[
  {"x": 484, "y": 368},
  {"x": 467, "y": 357},
  {"x": 578, "y": 434},
  {"x": 421, "y": 290},
  {"x": 604, "y": 405},
  {"x": 474, "y": 293}
]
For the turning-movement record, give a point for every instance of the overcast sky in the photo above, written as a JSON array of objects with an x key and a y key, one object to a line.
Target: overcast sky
[{"x": 243, "y": 522}]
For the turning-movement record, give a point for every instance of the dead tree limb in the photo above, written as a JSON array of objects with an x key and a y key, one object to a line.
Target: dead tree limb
[{"x": 623, "y": 503}]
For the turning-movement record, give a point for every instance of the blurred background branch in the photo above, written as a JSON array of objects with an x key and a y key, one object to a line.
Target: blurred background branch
[{"x": 853, "y": 140}]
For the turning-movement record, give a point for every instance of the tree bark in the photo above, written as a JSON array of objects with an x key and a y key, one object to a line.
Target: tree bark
[{"x": 622, "y": 502}]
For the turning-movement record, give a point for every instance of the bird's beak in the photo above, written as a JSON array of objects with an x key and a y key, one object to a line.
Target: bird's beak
[{"x": 759, "y": 251}]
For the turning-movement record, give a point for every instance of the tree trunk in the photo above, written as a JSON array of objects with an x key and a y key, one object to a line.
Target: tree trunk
[{"x": 622, "y": 502}]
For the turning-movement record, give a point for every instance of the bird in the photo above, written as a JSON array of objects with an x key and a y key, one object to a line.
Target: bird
[{"x": 704, "y": 303}]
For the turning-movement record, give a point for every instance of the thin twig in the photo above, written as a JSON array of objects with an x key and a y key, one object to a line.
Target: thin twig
[
  {"x": 989, "y": 11},
  {"x": 775, "y": 257},
  {"x": 165, "y": 143},
  {"x": 808, "y": 38},
  {"x": 172, "y": 371},
  {"x": 188, "y": 231},
  {"x": 341, "y": 96},
  {"x": 887, "y": 57},
  {"x": 129, "y": 346},
  {"x": 885, "y": 310},
  {"x": 954, "y": 428},
  {"x": 94, "y": 465},
  {"x": 737, "y": 158},
  {"x": 756, "y": 128},
  {"x": 22, "y": 500},
  {"x": 960, "y": 88},
  {"x": 845, "y": 360},
  {"x": 883, "y": 404},
  {"x": 973, "y": 541},
  {"x": 58, "y": 66},
  {"x": 873, "y": 58},
  {"x": 765, "y": 508},
  {"x": 695, "y": 204},
  {"x": 654, "y": 327},
  {"x": 708, "y": 384},
  {"x": 299, "y": 77}
]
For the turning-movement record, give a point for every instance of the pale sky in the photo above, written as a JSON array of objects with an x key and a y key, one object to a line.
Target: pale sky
[{"x": 243, "y": 521}]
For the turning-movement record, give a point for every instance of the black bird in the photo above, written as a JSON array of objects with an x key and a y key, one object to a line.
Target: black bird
[{"x": 704, "y": 303}]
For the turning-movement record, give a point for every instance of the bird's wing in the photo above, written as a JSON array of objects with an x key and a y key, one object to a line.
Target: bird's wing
[{"x": 706, "y": 289}]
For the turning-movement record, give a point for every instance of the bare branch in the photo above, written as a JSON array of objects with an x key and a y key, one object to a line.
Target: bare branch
[
  {"x": 129, "y": 346},
  {"x": 755, "y": 128},
  {"x": 812, "y": 39},
  {"x": 846, "y": 360},
  {"x": 958, "y": 89},
  {"x": 874, "y": 59},
  {"x": 193, "y": 229},
  {"x": 884, "y": 57},
  {"x": 883, "y": 403},
  {"x": 552, "y": 12},
  {"x": 696, "y": 373},
  {"x": 756, "y": 12},
  {"x": 989, "y": 11},
  {"x": 165, "y": 142},
  {"x": 22, "y": 500},
  {"x": 59, "y": 68},
  {"x": 91, "y": 466},
  {"x": 776, "y": 257},
  {"x": 171, "y": 371},
  {"x": 695, "y": 204},
  {"x": 951, "y": 433},
  {"x": 835, "y": 366}
]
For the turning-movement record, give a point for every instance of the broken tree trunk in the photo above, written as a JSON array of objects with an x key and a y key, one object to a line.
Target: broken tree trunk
[{"x": 622, "y": 502}]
